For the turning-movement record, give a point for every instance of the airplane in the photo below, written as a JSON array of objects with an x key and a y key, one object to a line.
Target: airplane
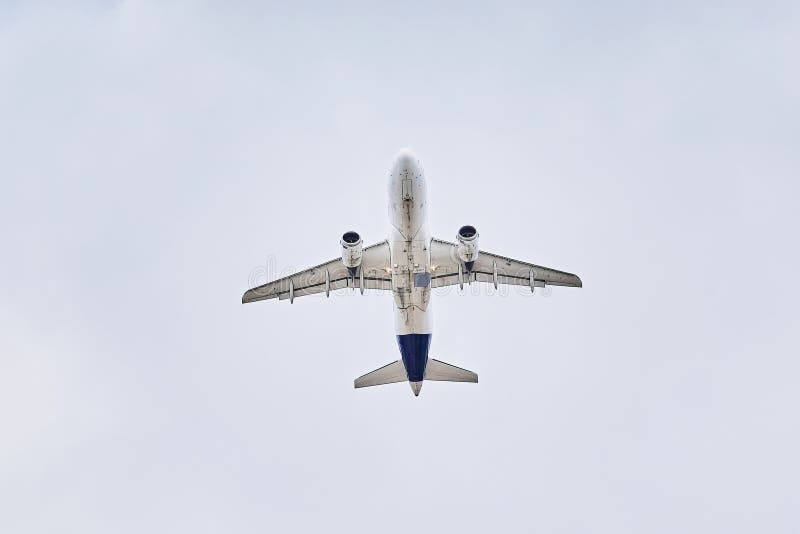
[{"x": 409, "y": 264}]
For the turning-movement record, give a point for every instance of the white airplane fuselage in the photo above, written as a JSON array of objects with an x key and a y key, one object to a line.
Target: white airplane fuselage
[
  {"x": 409, "y": 242},
  {"x": 409, "y": 263}
]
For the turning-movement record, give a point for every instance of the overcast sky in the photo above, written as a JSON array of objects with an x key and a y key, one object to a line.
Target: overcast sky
[{"x": 156, "y": 157}]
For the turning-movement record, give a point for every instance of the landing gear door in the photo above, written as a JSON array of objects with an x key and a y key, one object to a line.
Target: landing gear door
[{"x": 408, "y": 191}]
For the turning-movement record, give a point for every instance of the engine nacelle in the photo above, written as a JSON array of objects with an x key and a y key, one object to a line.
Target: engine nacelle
[
  {"x": 467, "y": 248},
  {"x": 352, "y": 249}
]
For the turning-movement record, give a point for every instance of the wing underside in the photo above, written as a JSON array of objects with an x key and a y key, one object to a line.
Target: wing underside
[
  {"x": 449, "y": 270},
  {"x": 446, "y": 270},
  {"x": 329, "y": 276}
]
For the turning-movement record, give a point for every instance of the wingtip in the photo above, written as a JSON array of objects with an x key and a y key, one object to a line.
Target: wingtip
[{"x": 249, "y": 296}]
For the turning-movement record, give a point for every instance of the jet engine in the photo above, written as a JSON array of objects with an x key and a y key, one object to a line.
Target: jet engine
[
  {"x": 467, "y": 248},
  {"x": 352, "y": 249}
]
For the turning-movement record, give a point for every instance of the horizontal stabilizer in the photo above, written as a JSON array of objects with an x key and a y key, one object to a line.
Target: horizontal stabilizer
[
  {"x": 445, "y": 372},
  {"x": 388, "y": 374}
]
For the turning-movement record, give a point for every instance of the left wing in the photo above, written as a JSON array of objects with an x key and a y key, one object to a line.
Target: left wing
[
  {"x": 448, "y": 270},
  {"x": 329, "y": 276}
]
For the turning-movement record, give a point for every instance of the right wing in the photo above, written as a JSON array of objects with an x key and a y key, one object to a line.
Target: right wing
[
  {"x": 489, "y": 267},
  {"x": 375, "y": 266}
]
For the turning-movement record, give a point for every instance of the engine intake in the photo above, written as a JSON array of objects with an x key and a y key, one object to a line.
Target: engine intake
[
  {"x": 467, "y": 248},
  {"x": 352, "y": 249}
]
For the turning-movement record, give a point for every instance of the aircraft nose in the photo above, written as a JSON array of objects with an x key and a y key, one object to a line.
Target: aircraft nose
[{"x": 406, "y": 161}]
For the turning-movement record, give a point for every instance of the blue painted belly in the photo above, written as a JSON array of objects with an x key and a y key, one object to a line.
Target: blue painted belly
[{"x": 414, "y": 349}]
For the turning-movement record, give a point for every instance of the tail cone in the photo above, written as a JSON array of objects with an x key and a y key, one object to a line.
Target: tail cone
[{"x": 415, "y": 387}]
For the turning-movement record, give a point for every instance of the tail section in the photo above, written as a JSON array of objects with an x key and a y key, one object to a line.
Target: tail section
[
  {"x": 436, "y": 370},
  {"x": 388, "y": 374},
  {"x": 396, "y": 372}
]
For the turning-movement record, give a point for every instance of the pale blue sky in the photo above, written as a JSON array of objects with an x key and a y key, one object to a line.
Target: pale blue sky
[{"x": 153, "y": 155}]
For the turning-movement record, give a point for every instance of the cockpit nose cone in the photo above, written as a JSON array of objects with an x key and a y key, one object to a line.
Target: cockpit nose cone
[
  {"x": 407, "y": 161},
  {"x": 405, "y": 153},
  {"x": 415, "y": 387}
]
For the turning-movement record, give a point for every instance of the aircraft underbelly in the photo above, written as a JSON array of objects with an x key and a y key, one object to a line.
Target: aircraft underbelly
[
  {"x": 409, "y": 242},
  {"x": 411, "y": 283}
]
